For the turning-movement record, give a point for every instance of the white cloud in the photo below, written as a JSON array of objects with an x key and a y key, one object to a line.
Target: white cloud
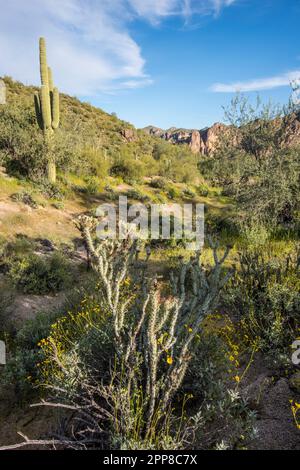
[
  {"x": 155, "y": 10},
  {"x": 257, "y": 84},
  {"x": 90, "y": 47}
]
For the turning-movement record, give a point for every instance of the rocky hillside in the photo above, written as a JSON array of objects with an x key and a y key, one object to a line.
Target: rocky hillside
[
  {"x": 204, "y": 141},
  {"x": 200, "y": 141}
]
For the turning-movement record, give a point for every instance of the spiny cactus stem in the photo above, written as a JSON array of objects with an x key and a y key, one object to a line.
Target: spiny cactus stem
[{"x": 43, "y": 63}]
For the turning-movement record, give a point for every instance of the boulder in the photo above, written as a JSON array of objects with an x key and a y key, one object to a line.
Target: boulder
[{"x": 129, "y": 135}]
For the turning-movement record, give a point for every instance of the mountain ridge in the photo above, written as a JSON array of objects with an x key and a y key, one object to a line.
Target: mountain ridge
[
  {"x": 199, "y": 140},
  {"x": 204, "y": 141}
]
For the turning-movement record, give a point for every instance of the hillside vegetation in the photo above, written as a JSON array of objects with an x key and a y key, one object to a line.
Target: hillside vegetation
[{"x": 88, "y": 142}]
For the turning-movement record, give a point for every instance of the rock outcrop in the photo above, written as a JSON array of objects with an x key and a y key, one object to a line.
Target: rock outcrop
[
  {"x": 129, "y": 135},
  {"x": 210, "y": 137},
  {"x": 205, "y": 141},
  {"x": 291, "y": 135},
  {"x": 191, "y": 137},
  {"x": 200, "y": 141}
]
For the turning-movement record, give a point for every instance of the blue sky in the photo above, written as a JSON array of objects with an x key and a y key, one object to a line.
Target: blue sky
[{"x": 160, "y": 62}]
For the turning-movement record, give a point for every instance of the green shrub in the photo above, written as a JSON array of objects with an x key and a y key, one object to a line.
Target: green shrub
[
  {"x": 25, "y": 197},
  {"x": 203, "y": 190},
  {"x": 37, "y": 275},
  {"x": 91, "y": 185},
  {"x": 110, "y": 193},
  {"x": 158, "y": 183},
  {"x": 173, "y": 192},
  {"x": 137, "y": 194},
  {"x": 52, "y": 190},
  {"x": 219, "y": 401},
  {"x": 264, "y": 294},
  {"x": 188, "y": 193},
  {"x": 58, "y": 205}
]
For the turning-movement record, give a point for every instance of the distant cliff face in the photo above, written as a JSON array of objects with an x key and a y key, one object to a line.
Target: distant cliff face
[
  {"x": 291, "y": 135},
  {"x": 205, "y": 141},
  {"x": 200, "y": 141}
]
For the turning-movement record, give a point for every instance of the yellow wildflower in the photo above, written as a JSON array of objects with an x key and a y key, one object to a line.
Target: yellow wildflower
[{"x": 169, "y": 360}]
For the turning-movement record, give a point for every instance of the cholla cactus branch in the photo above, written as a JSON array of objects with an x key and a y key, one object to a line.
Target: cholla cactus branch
[{"x": 111, "y": 259}]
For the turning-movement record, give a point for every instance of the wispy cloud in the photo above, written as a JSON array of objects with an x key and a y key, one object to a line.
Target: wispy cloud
[
  {"x": 156, "y": 10},
  {"x": 257, "y": 84},
  {"x": 90, "y": 46}
]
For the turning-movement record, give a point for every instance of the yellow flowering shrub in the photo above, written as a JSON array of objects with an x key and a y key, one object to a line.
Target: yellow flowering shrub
[
  {"x": 295, "y": 407},
  {"x": 64, "y": 334},
  {"x": 237, "y": 342}
]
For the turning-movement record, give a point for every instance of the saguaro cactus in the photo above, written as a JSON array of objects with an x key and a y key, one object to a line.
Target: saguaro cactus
[{"x": 47, "y": 110}]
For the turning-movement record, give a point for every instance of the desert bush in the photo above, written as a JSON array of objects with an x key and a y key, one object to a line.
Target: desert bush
[
  {"x": 252, "y": 165},
  {"x": 21, "y": 146},
  {"x": 93, "y": 161},
  {"x": 172, "y": 192},
  {"x": 158, "y": 183},
  {"x": 272, "y": 198},
  {"x": 137, "y": 194},
  {"x": 59, "y": 205},
  {"x": 188, "y": 193},
  {"x": 91, "y": 186},
  {"x": 224, "y": 411},
  {"x": 20, "y": 246},
  {"x": 264, "y": 294},
  {"x": 50, "y": 190},
  {"x": 25, "y": 197},
  {"x": 110, "y": 193},
  {"x": 25, "y": 357},
  {"x": 202, "y": 190},
  {"x": 37, "y": 275},
  {"x": 223, "y": 226}
]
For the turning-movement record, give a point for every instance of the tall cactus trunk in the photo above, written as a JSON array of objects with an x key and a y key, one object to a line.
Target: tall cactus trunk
[
  {"x": 47, "y": 110},
  {"x": 49, "y": 149},
  {"x": 51, "y": 172}
]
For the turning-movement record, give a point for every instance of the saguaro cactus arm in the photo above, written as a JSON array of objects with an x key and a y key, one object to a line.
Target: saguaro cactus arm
[
  {"x": 55, "y": 109},
  {"x": 38, "y": 111}
]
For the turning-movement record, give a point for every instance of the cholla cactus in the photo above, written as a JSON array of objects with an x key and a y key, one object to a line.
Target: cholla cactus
[
  {"x": 166, "y": 328},
  {"x": 47, "y": 109}
]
